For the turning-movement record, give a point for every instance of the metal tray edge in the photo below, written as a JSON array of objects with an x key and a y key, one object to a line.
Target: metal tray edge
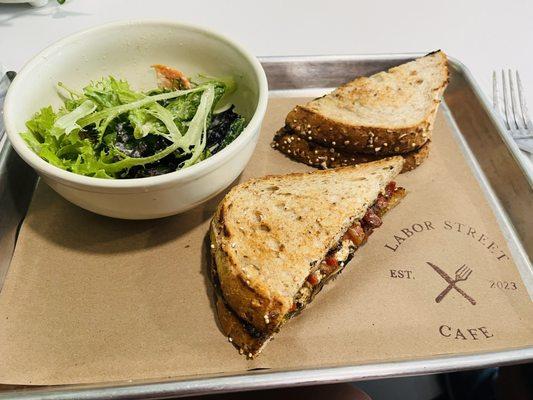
[{"x": 283, "y": 379}]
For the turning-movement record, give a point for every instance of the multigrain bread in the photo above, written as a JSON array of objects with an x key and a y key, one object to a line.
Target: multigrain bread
[
  {"x": 270, "y": 235},
  {"x": 387, "y": 113},
  {"x": 319, "y": 156}
]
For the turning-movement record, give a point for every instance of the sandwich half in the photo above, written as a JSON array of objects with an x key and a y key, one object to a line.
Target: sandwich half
[
  {"x": 391, "y": 112},
  {"x": 276, "y": 240},
  {"x": 321, "y": 156}
]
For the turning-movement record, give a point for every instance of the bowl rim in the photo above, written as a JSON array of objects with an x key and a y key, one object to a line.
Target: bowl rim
[{"x": 187, "y": 174}]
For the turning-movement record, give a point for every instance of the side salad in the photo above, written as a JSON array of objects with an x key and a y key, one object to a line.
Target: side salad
[{"x": 109, "y": 130}]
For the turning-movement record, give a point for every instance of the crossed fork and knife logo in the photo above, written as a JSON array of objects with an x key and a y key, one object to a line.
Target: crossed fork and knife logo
[{"x": 461, "y": 275}]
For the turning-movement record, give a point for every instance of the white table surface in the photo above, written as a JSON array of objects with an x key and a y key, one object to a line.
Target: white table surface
[{"x": 483, "y": 34}]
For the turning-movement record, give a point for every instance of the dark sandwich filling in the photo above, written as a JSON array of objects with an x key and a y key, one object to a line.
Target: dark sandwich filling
[
  {"x": 340, "y": 255},
  {"x": 335, "y": 260}
]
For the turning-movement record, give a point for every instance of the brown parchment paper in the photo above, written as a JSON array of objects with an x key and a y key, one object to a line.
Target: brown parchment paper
[{"x": 91, "y": 299}]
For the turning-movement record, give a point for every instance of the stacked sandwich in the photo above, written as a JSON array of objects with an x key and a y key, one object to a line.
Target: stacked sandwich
[
  {"x": 277, "y": 240},
  {"x": 389, "y": 113}
]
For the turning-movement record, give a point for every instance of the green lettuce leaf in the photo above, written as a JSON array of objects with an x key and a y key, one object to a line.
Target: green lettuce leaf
[
  {"x": 124, "y": 108},
  {"x": 42, "y": 121},
  {"x": 67, "y": 123},
  {"x": 110, "y": 92},
  {"x": 196, "y": 134},
  {"x": 144, "y": 123}
]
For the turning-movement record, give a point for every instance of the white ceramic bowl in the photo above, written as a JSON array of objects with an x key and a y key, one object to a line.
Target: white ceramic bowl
[{"x": 126, "y": 50}]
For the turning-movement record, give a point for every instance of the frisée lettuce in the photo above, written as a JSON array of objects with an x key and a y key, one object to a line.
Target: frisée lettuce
[{"x": 109, "y": 130}]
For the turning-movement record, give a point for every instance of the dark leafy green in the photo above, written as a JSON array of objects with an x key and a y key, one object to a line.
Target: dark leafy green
[{"x": 224, "y": 129}]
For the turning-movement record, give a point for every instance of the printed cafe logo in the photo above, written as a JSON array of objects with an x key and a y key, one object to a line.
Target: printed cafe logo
[
  {"x": 458, "y": 227},
  {"x": 461, "y": 274},
  {"x": 453, "y": 281}
]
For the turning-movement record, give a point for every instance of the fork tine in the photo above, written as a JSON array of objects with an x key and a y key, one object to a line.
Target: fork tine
[
  {"x": 460, "y": 270},
  {"x": 505, "y": 101},
  {"x": 495, "y": 99},
  {"x": 466, "y": 273},
  {"x": 512, "y": 95},
  {"x": 523, "y": 106}
]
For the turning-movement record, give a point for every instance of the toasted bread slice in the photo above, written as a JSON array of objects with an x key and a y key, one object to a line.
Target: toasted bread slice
[
  {"x": 319, "y": 156},
  {"x": 387, "y": 113},
  {"x": 269, "y": 235}
]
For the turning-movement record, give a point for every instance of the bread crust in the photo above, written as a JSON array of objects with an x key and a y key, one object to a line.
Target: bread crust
[
  {"x": 319, "y": 128},
  {"x": 319, "y": 156},
  {"x": 251, "y": 301},
  {"x": 315, "y": 126},
  {"x": 237, "y": 334}
]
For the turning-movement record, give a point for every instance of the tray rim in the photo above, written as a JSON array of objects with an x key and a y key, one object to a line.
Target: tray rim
[
  {"x": 252, "y": 380},
  {"x": 267, "y": 380}
]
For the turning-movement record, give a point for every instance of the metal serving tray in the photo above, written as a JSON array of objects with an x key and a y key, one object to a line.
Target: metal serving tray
[{"x": 491, "y": 154}]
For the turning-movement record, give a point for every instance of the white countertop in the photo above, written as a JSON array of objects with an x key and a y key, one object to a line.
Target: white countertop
[{"x": 483, "y": 34}]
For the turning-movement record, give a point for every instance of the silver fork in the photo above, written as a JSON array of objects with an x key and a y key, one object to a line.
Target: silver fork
[{"x": 514, "y": 112}]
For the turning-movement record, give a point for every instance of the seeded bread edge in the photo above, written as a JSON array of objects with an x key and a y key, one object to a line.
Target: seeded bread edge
[{"x": 320, "y": 156}]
